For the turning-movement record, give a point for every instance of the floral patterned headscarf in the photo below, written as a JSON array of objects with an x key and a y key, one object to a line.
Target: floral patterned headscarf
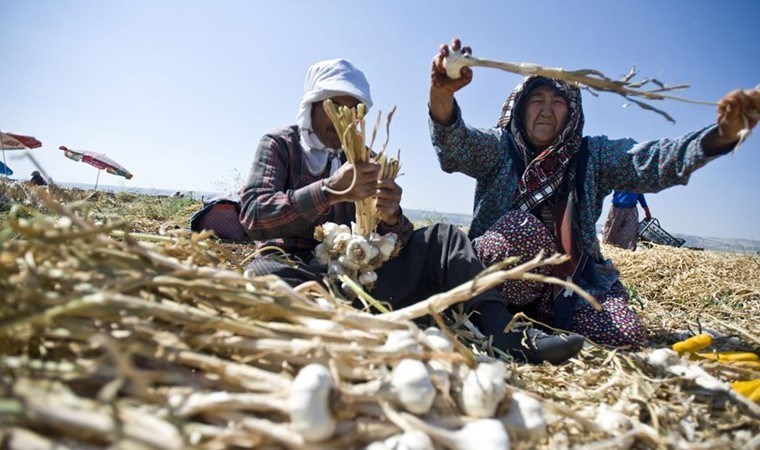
[{"x": 545, "y": 171}]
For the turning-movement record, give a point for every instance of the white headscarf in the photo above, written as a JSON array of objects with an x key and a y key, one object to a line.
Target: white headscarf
[{"x": 327, "y": 79}]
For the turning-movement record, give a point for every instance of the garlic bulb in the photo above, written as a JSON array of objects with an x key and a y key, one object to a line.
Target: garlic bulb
[
  {"x": 440, "y": 373},
  {"x": 401, "y": 341},
  {"x": 483, "y": 389},
  {"x": 348, "y": 263},
  {"x": 438, "y": 340},
  {"x": 368, "y": 278},
  {"x": 308, "y": 403},
  {"x": 358, "y": 250},
  {"x": 411, "y": 440},
  {"x": 386, "y": 244},
  {"x": 335, "y": 268},
  {"x": 341, "y": 241},
  {"x": 322, "y": 253},
  {"x": 483, "y": 434},
  {"x": 453, "y": 63},
  {"x": 526, "y": 417},
  {"x": 612, "y": 420},
  {"x": 411, "y": 382}
]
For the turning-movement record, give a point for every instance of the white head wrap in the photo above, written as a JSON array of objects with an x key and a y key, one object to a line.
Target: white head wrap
[{"x": 327, "y": 79}]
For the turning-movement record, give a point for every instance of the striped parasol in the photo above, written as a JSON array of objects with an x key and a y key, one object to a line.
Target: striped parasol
[
  {"x": 101, "y": 161},
  {"x": 14, "y": 141}
]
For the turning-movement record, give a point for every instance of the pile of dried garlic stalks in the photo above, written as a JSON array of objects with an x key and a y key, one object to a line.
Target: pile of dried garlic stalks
[{"x": 109, "y": 342}]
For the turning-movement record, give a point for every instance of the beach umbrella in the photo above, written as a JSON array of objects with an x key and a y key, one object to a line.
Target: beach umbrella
[
  {"x": 101, "y": 161},
  {"x": 5, "y": 170},
  {"x": 13, "y": 141}
]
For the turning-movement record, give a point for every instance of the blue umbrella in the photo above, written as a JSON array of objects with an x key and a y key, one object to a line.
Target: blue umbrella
[{"x": 5, "y": 170}]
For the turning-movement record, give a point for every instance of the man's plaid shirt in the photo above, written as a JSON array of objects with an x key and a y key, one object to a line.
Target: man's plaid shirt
[{"x": 282, "y": 202}]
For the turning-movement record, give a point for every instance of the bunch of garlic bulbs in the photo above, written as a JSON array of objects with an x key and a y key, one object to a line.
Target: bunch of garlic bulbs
[
  {"x": 346, "y": 252},
  {"x": 357, "y": 251},
  {"x": 350, "y": 126}
]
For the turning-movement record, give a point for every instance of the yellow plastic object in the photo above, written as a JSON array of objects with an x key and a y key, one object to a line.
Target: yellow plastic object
[
  {"x": 693, "y": 344},
  {"x": 749, "y": 389},
  {"x": 753, "y": 365},
  {"x": 729, "y": 357}
]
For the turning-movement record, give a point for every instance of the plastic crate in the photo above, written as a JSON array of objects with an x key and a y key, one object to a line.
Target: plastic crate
[{"x": 651, "y": 231}]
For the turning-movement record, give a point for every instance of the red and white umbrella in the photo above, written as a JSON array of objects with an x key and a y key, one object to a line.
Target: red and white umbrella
[
  {"x": 101, "y": 161},
  {"x": 14, "y": 141}
]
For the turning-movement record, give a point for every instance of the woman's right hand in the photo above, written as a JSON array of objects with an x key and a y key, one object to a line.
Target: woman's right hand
[{"x": 438, "y": 78}]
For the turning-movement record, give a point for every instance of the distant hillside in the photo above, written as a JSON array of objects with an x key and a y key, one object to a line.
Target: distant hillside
[
  {"x": 707, "y": 243},
  {"x": 424, "y": 215},
  {"x": 721, "y": 244}
]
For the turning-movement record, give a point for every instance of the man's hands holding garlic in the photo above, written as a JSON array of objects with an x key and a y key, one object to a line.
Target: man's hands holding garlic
[{"x": 387, "y": 192}]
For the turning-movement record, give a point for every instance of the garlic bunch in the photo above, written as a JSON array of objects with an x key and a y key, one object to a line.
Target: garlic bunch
[{"x": 346, "y": 252}]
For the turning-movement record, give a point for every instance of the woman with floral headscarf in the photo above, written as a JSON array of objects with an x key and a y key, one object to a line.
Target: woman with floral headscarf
[{"x": 540, "y": 185}]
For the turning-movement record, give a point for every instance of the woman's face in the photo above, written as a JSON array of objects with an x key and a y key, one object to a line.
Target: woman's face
[
  {"x": 544, "y": 116},
  {"x": 321, "y": 123}
]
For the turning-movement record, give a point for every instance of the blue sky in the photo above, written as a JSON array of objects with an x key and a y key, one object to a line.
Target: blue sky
[{"x": 181, "y": 92}]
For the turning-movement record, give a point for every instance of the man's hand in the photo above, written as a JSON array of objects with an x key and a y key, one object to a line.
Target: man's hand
[
  {"x": 388, "y": 201},
  {"x": 648, "y": 214},
  {"x": 364, "y": 186}
]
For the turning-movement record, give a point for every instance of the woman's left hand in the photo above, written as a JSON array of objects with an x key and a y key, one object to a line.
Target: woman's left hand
[
  {"x": 734, "y": 108},
  {"x": 388, "y": 201}
]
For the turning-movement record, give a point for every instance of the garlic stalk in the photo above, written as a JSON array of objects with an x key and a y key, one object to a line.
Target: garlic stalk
[
  {"x": 308, "y": 403},
  {"x": 593, "y": 80},
  {"x": 350, "y": 126}
]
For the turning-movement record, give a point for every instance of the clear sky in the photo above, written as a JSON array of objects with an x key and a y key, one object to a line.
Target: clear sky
[{"x": 180, "y": 92}]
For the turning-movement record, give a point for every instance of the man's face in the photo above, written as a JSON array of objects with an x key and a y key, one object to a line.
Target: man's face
[
  {"x": 322, "y": 125},
  {"x": 545, "y": 113}
]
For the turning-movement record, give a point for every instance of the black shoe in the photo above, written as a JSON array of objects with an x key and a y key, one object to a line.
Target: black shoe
[{"x": 535, "y": 346}]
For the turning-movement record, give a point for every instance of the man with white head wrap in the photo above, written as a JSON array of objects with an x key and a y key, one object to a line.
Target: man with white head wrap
[
  {"x": 325, "y": 80},
  {"x": 284, "y": 200}
]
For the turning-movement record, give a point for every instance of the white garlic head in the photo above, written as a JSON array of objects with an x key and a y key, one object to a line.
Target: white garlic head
[
  {"x": 413, "y": 387},
  {"x": 308, "y": 403},
  {"x": 483, "y": 389}
]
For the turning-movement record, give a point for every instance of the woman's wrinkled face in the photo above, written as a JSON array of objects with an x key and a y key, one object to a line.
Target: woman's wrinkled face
[
  {"x": 321, "y": 123},
  {"x": 544, "y": 115}
]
